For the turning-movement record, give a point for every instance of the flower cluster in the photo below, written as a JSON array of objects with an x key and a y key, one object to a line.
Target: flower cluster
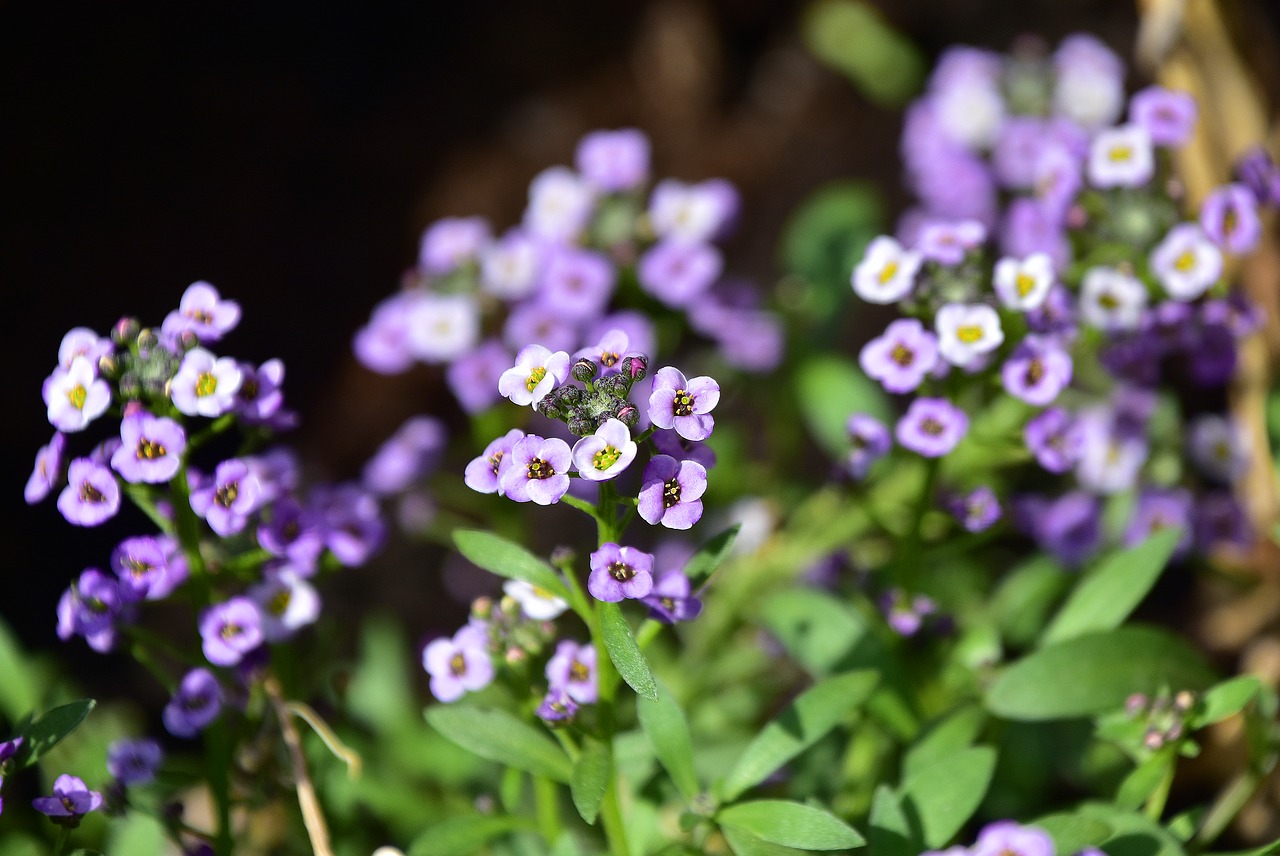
[{"x": 593, "y": 242}]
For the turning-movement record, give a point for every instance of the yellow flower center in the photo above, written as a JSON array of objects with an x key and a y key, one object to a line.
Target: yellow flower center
[
  {"x": 150, "y": 450},
  {"x": 606, "y": 457},
  {"x": 280, "y": 602},
  {"x": 888, "y": 272},
  {"x": 1185, "y": 262},
  {"x": 535, "y": 378},
  {"x": 969, "y": 333},
  {"x": 683, "y": 403},
  {"x": 206, "y": 385},
  {"x": 1023, "y": 283},
  {"x": 76, "y": 395},
  {"x": 1120, "y": 154}
]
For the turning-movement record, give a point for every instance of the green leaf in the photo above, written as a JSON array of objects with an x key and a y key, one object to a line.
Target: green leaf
[
  {"x": 853, "y": 37},
  {"x": 1072, "y": 833},
  {"x": 889, "y": 829},
  {"x": 958, "y": 730},
  {"x": 19, "y": 691},
  {"x": 84, "y": 851},
  {"x": 1143, "y": 779},
  {"x": 1132, "y": 834},
  {"x": 463, "y": 836},
  {"x": 499, "y": 736},
  {"x": 711, "y": 555},
  {"x": 506, "y": 559},
  {"x": 625, "y": 653},
  {"x": 817, "y": 629},
  {"x": 664, "y": 724},
  {"x": 1226, "y": 699},
  {"x": 803, "y": 723},
  {"x": 1104, "y": 598},
  {"x": 743, "y": 843},
  {"x": 791, "y": 824},
  {"x": 48, "y": 730},
  {"x": 591, "y": 778},
  {"x": 1265, "y": 850},
  {"x": 1022, "y": 603},
  {"x": 1095, "y": 673},
  {"x": 829, "y": 389},
  {"x": 946, "y": 793},
  {"x": 826, "y": 237}
]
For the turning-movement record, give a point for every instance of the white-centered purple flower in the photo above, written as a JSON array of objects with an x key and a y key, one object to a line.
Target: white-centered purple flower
[
  {"x": 196, "y": 703},
  {"x": 1121, "y": 157},
  {"x": 1158, "y": 509},
  {"x": 614, "y": 160},
  {"x": 560, "y": 202},
  {"x": 484, "y": 473},
  {"x": 1054, "y": 438},
  {"x": 931, "y": 427},
  {"x": 143, "y": 566},
  {"x": 608, "y": 352},
  {"x": 868, "y": 442},
  {"x": 1186, "y": 262},
  {"x": 572, "y": 668},
  {"x": 71, "y": 798},
  {"x": 539, "y": 470},
  {"x": 671, "y": 492},
  {"x": 619, "y": 572},
  {"x": 1007, "y": 838},
  {"x": 83, "y": 342},
  {"x": 536, "y": 603},
  {"x": 1037, "y": 370},
  {"x": 134, "y": 761},
  {"x": 537, "y": 371},
  {"x": 452, "y": 242},
  {"x": 676, "y": 272},
  {"x": 576, "y": 284},
  {"x": 606, "y": 453},
  {"x": 442, "y": 327},
  {"x": 202, "y": 311},
  {"x": 948, "y": 242},
  {"x": 47, "y": 470},
  {"x": 1023, "y": 284},
  {"x": 977, "y": 510},
  {"x": 229, "y": 497},
  {"x": 1168, "y": 115},
  {"x": 510, "y": 266},
  {"x": 1088, "y": 82},
  {"x": 672, "y": 599},
  {"x": 682, "y": 404},
  {"x": 92, "y": 494},
  {"x": 473, "y": 377},
  {"x": 382, "y": 345},
  {"x": 408, "y": 456},
  {"x": 1112, "y": 300},
  {"x": 229, "y": 630},
  {"x": 967, "y": 332},
  {"x": 1219, "y": 447},
  {"x": 692, "y": 213},
  {"x": 286, "y": 603},
  {"x": 902, "y": 356},
  {"x": 150, "y": 450},
  {"x": 887, "y": 272},
  {"x": 75, "y": 396},
  {"x": 458, "y": 665},
  {"x": 205, "y": 385},
  {"x": 1229, "y": 216}
]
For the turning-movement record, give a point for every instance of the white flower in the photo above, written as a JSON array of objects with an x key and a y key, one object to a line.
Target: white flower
[
  {"x": 886, "y": 273},
  {"x": 1219, "y": 447},
  {"x": 967, "y": 331},
  {"x": 1121, "y": 157},
  {"x": 560, "y": 202},
  {"x": 691, "y": 213},
  {"x": 287, "y": 602},
  {"x": 1024, "y": 285},
  {"x": 205, "y": 385},
  {"x": 1109, "y": 461},
  {"x": 509, "y": 267},
  {"x": 970, "y": 111},
  {"x": 443, "y": 327},
  {"x": 606, "y": 453},
  {"x": 537, "y": 371},
  {"x": 75, "y": 396},
  {"x": 1111, "y": 300},
  {"x": 537, "y": 603},
  {"x": 1186, "y": 262}
]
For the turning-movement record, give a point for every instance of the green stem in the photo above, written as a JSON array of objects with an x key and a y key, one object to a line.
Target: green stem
[
  {"x": 218, "y": 426},
  {"x": 546, "y": 801},
  {"x": 140, "y": 495},
  {"x": 218, "y": 760},
  {"x": 909, "y": 558},
  {"x": 607, "y": 677},
  {"x": 63, "y": 834}
]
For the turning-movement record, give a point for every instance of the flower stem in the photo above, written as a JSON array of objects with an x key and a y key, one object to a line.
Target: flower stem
[
  {"x": 63, "y": 834},
  {"x": 312, "y": 815},
  {"x": 909, "y": 559},
  {"x": 546, "y": 801}
]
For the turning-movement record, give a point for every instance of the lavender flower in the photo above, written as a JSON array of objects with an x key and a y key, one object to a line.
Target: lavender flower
[
  {"x": 559, "y": 205},
  {"x": 614, "y": 160},
  {"x": 197, "y": 702},
  {"x": 1229, "y": 216},
  {"x": 557, "y": 706},
  {"x": 1186, "y": 262},
  {"x": 150, "y": 450},
  {"x": 671, "y": 492},
  {"x": 1217, "y": 446},
  {"x": 83, "y": 342},
  {"x": 442, "y": 327},
  {"x": 202, "y": 311},
  {"x": 572, "y": 668},
  {"x": 576, "y": 284},
  {"x": 92, "y": 495},
  {"x": 931, "y": 427},
  {"x": 692, "y": 213},
  {"x": 904, "y": 615},
  {"x": 75, "y": 396},
  {"x": 205, "y": 385},
  {"x": 1069, "y": 527},
  {"x": 407, "y": 456},
  {"x": 887, "y": 272},
  {"x": 671, "y": 599},
  {"x": 1088, "y": 82},
  {"x": 1029, "y": 228},
  {"x": 293, "y": 533},
  {"x": 1110, "y": 457},
  {"x": 71, "y": 799},
  {"x": 1055, "y": 440},
  {"x": 967, "y": 332},
  {"x": 1037, "y": 370},
  {"x": 869, "y": 442},
  {"x": 134, "y": 762},
  {"x": 606, "y": 453},
  {"x": 676, "y": 272},
  {"x": 1218, "y": 521},
  {"x": 1057, "y": 179},
  {"x": 1007, "y": 838},
  {"x": 458, "y": 665},
  {"x": 538, "y": 471},
  {"x": 484, "y": 473},
  {"x": 351, "y": 523},
  {"x": 382, "y": 345},
  {"x": 511, "y": 266},
  {"x": 1159, "y": 509},
  {"x": 1024, "y": 284},
  {"x": 473, "y": 377},
  {"x": 683, "y": 404},
  {"x": 227, "y": 501},
  {"x": 260, "y": 399},
  {"x": 89, "y": 608},
  {"x": 1259, "y": 173},
  {"x": 536, "y": 603},
  {"x": 534, "y": 321},
  {"x": 537, "y": 371},
  {"x": 902, "y": 356},
  {"x": 1112, "y": 300},
  {"x": 1169, "y": 116},
  {"x": 47, "y": 470},
  {"x": 608, "y": 351},
  {"x": 286, "y": 603},
  {"x": 947, "y": 242},
  {"x": 620, "y": 572},
  {"x": 142, "y": 565},
  {"x": 229, "y": 630},
  {"x": 452, "y": 242},
  {"x": 977, "y": 510}
]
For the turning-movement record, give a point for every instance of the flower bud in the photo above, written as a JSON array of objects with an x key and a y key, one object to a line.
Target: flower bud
[
  {"x": 147, "y": 340},
  {"x": 109, "y": 366},
  {"x": 515, "y": 655},
  {"x": 1135, "y": 704},
  {"x": 584, "y": 369},
  {"x": 615, "y": 384},
  {"x": 562, "y": 556},
  {"x": 581, "y": 426},
  {"x": 635, "y": 367},
  {"x": 548, "y": 407},
  {"x": 187, "y": 340},
  {"x": 482, "y": 607},
  {"x": 125, "y": 330},
  {"x": 1153, "y": 739},
  {"x": 629, "y": 415},
  {"x": 1184, "y": 701},
  {"x": 130, "y": 386}
]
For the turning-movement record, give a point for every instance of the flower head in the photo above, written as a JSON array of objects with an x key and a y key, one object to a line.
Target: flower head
[
  {"x": 145, "y": 570},
  {"x": 1037, "y": 370},
  {"x": 947, "y": 242},
  {"x": 576, "y": 284},
  {"x": 1024, "y": 284},
  {"x": 92, "y": 494},
  {"x": 614, "y": 160},
  {"x": 205, "y": 385},
  {"x": 931, "y": 427},
  {"x": 459, "y": 664},
  {"x": 671, "y": 492},
  {"x": 966, "y": 332},
  {"x": 286, "y": 603},
  {"x": 1229, "y": 216},
  {"x": 450, "y": 243},
  {"x": 150, "y": 450},
  {"x": 441, "y": 327},
  {"x": 1168, "y": 115},
  {"x": 606, "y": 453},
  {"x": 977, "y": 510},
  {"x": 229, "y": 498},
  {"x": 75, "y": 396},
  {"x": 537, "y": 371},
  {"x": 1054, "y": 439},
  {"x": 1121, "y": 157},
  {"x": 230, "y": 629},
  {"x": 692, "y": 213},
  {"x": 869, "y": 442},
  {"x": 671, "y": 599},
  {"x": 202, "y": 311},
  {"x": 557, "y": 706},
  {"x": 197, "y": 702},
  {"x": 559, "y": 204},
  {"x": 620, "y": 572},
  {"x": 677, "y": 272},
  {"x": 71, "y": 799},
  {"x": 1186, "y": 262},
  {"x": 683, "y": 404},
  {"x": 539, "y": 470},
  {"x": 887, "y": 272},
  {"x": 1007, "y": 838},
  {"x": 536, "y": 603},
  {"x": 510, "y": 267},
  {"x": 902, "y": 356},
  {"x": 484, "y": 473},
  {"x": 1111, "y": 299},
  {"x": 406, "y": 457},
  {"x": 47, "y": 470},
  {"x": 572, "y": 668},
  {"x": 134, "y": 762}
]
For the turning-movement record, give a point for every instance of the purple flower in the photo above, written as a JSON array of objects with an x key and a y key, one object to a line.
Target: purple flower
[
  {"x": 692, "y": 213},
  {"x": 83, "y": 342},
  {"x": 931, "y": 427},
  {"x": 684, "y": 405},
  {"x": 442, "y": 327},
  {"x": 1110, "y": 456},
  {"x": 9, "y": 748},
  {"x": 197, "y": 702},
  {"x": 484, "y": 474},
  {"x": 134, "y": 762},
  {"x": 1218, "y": 447},
  {"x": 351, "y": 523},
  {"x": 71, "y": 798},
  {"x": 75, "y": 396},
  {"x": 205, "y": 385},
  {"x": 1055, "y": 440},
  {"x": 671, "y": 599},
  {"x": 1037, "y": 370},
  {"x": 382, "y": 345},
  {"x": 260, "y": 399},
  {"x": 1219, "y": 521},
  {"x": 450, "y": 243},
  {"x": 671, "y": 443},
  {"x": 620, "y": 572},
  {"x": 1229, "y": 216},
  {"x": 1069, "y": 527},
  {"x": 576, "y": 284},
  {"x": 606, "y": 453},
  {"x": 572, "y": 668},
  {"x": 89, "y": 608},
  {"x": 150, "y": 450},
  {"x": 1006, "y": 838},
  {"x": 92, "y": 495},
  {"x": 473, "y": 377},
  {"x": 534, "y": 321},
  {"x": 608, "y": 351},
  {"x": 144, "y": 569},
  {"x": 676, "y": 272},
  {"x": 614, "y": 160},
  {"x": 904, "y": 615},
  {"x": 557, "y": 706},
  {"x": 228, "y": 500},
  {"x": 1088, "y": 82},
  {"x": 902, "y": 356},
  {"x": 749, "y": 340},
  {"x": 977, "y": 510},
  {"x": 510, "y": 267},
  {"x": 1029, "y": 228},
  {"x": 408, "y": 456},
  {"x": 637, "y": 326},
  {"x": 286, "y": 602},
  {"x": 458, "y": 665},
  {"x": 559, "y": 204},
  {"x": 869, "y": 442},
  {"x": 1169, "y": 116},
  {"x": 203, "y": 312},
  {"x": 229, "y": 630},
  {"x": 671, "y": 492},
  {"x": 1059, "y": 175},
  {"x": 1159, "y": 509},
  {"x": 1258, "y": 172},
  {"x": 537, "y": 371},
  {"x": 47, "y": 470},
  {"x": 947, "y": 242},
  {"x": 1186, "y": 262},
  {"x": 539, "y": 470},
  {"x": 294, "y": 533},
  {"x": 1019, "y": 143}
]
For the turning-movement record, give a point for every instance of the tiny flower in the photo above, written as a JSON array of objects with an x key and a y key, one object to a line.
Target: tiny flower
[
  {"x": 692, "y": 213},
  {"x": 473, "y": 377},
  {"x": 577, "y": 284},
  {"x": 382, "y": 345},
  {"x": 134, "y": 762},
  {"x": 559, "y": 204},
  {"x": 229, "y": 498},
  {"x": 537, "y": 371},
  {"x": 620, "y": 572},
  {"x": 869, "y": 442},
  {"x": 1057, "y": 179},
  {"x": 92, "y": 495},
  {"x": 1159, "y": 509},
  {"x": 606, "y": 453},
  {"x": 1169, "y": 116},
  {"x": 1229, "y": 216},
  {"x": 205, "y": 385},
  {"x": 1088, "y": 82},
  {"x": 202, "y": 311},
  {"x": 229, "y": 630},
  {"x": 509, "y": 267},
  {"x": 47, "y": 470},
  {"x": 350, "y": 523},
  {"x": 536, "y": 603},
  {"x": 1112, "y": 300},
  {"x": 442, "y": 327},
  {"x": 967, "y": 331},
  {"x": 458, "y": 665},
  {"x": 71, "y": 799},
  {"x": 904, "y": 615},
  {"x": 947, "y": 243},
  {"x": 931, "y": 427},
  {"x": 1121, "y": 157},
  {"x": 572, "y": 668},
  {"x": 196, "y": 704},
  {"x": 150, "y": 450},
  {"x": 406, "y": 457},
  {"x": 1219, "y": 447},
  {"x": 671, "y": 492},
  {"x": 143, "y": 567},
  {"x": 1110, "y": 459},
  {"x": 614, "y": 160},
  {"x": 902, "y": 356},
  {"x": 1219, "y": 521},
  {"x": 684, "y": 405},
  {"x": 484, "y": 474},
  {"x": 1007, "y": 838},
  {"x": 1055, "y": 440},
  {"x": 1037, "y": 370},
  {"x": 83, "y": 342},
  {"x": 557, "y": 706},
  {"x": 286, "y": 603},
  {"x": 539, "y": 470},
  {"x": 75, "y": 396},
  {"x": 1258, "y": 172},
  {"x": 1024, "y": 284},
  {"x": 671, "y": 599},
  {"x": 260, "y": 399},
  {"x": 1028, "y": 228},
  {"x": 450, "y": 243},
  {"x": 887, "y": 272},
  {"x": 677, "y": 272},
  {"x": 533, "y": 321},
  {"x": 1186, "y": 262},
  {"x": 977, "y": 510},
  {"x": 89, "y": 608},
  {"x": 608, "y": 353}
]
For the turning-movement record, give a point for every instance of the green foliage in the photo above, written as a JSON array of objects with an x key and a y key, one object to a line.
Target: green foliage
[
  {"x": 49, "y": 729},
  {"x": 500, "y": 736},
  {"x": 1072, "y": 833},
  {"x": 624, "y": 652},
  {"x": 826, "y": 237},
  {"x": 828, "y": 390},
  {"x": 710, "y": 556},
  {"x": 506, "y": 559},
  {"x": 591, "y": 774},
  {"x": 946, "y": 793},
  {"x": 791, "y": 824},
  {"x": 665, "y": 726},
  {"x": 1226, "y": 699},
  {"x": 854, "y": 38},
  {"x": 463, "y": 836}
]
